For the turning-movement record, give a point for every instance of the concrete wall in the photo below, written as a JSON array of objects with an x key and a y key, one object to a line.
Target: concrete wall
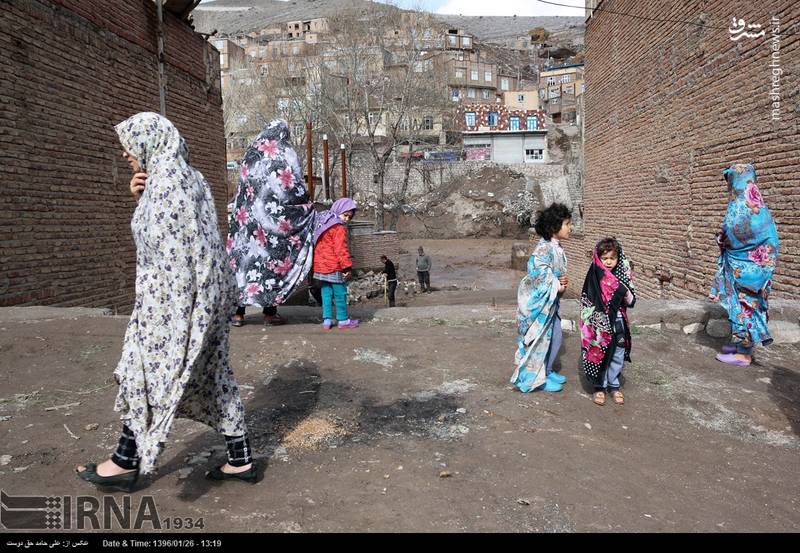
[
  {"x": 71, "y": 70},
  {"x": 668, "y": 106}
]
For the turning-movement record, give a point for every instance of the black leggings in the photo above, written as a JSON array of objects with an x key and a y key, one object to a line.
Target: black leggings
[{"x": 126, "y": 456}]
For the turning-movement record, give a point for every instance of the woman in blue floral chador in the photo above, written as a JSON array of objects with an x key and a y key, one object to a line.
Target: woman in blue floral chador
[{"x": 748, "y": 243}]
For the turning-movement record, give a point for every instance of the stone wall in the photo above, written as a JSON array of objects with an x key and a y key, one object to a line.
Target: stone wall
[{"x": 71, "y": 71}]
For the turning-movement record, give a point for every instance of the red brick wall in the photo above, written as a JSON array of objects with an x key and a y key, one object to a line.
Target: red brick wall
[
  {"x": 71, "y": 71},
  {"x": 668, "y": 106}
]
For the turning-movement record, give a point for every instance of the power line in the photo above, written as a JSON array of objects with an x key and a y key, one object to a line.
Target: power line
[{"x": 643, "y": 17}]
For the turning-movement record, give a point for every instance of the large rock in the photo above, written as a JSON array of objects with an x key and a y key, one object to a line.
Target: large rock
[
  {"x": 718, "y": 328},
  {"x": 784, "y": 332}
]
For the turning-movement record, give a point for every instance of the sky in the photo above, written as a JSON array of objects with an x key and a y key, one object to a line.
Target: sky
[{"x": 493, "y": 7}]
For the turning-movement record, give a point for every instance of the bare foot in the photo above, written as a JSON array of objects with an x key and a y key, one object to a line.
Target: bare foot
[
  {"x": 107, "y": 468},
  {"x": 228, "y": 469}
]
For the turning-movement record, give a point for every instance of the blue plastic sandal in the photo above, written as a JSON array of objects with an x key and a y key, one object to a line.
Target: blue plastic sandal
[{"x": 557, "y": 378}]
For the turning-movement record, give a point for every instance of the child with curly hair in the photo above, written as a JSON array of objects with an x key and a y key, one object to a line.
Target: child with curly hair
[{"x": 539, "y": 323}]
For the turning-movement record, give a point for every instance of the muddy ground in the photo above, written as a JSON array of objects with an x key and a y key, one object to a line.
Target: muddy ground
[{"x": 414, "y": 427}]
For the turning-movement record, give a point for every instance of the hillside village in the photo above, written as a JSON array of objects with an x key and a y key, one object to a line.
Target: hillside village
[{"x": 471, "y": 89}]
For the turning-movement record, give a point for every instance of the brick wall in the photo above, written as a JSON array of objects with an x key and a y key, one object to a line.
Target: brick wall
[
  {"x": 668, "y": 106},
  {"x": 71, "y": 71},
  {"x": 366, "y": 249}
]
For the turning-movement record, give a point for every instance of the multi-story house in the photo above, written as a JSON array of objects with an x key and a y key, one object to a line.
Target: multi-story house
[
  {"x": 559, "y": 88},
  {"x": 493, "y": 132},
  {"x": 231, "y": 57}
]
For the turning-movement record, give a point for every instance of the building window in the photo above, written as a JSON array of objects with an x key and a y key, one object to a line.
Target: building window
[
  {"x": 503, "y": 84},
  {"x": 452, "y": 40},
  {"x": 513, "y": 124},
  {"x": 427, "y": 123},
  {"x": 486, "y": 93},
  {"x": 470, "y": 118},
  {"x": 264, "y": 69},
  {"x": 472, "y": 93},
  {"x": 534, "y": 154},
  {"x": 554, "y": 93},
  {"x": 532, "y": 123},
  {"x": 583, "y": 88},
  {"x": 403, "y": 123},
  {"x": 372, "y": 117},
  {"x": 456, "y": 94},
  {"x": 566, "y": 78},
  {"x": 551, "y": 81},
  {"x": 466, "y": 42},
  {"x": 492, "y": 118},
  {"x": 570, "y": 90},
  {"x": 473, "y": 75},
  {"x": 295, "y": 50},
  {"x": 298, "y": 132},
  {"x": 487, "y": 76},
  {"x": 520, "y": 98},
  {"x": 459, "y": 73},
  {"x": 554, "y": 100}
]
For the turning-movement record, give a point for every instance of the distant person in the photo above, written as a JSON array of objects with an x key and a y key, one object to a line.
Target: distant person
[
  {"x": 424, "y": 270},
  {"x": 391, "y": 278},
  {"x": 538, "y": 300},
  {"x": 333, "y": 266},
  {"x": 271, "y": 225},
  {"x": 174, "y": 360},
  {"x": 605, "y": 331},
  {"x": 748, "y": 243}
]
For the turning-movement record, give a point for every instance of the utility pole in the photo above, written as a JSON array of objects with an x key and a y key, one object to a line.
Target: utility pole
[
  {"x": 343, "y": 154},
  {"x": 325, "y": 182},
  {"x": 309, "y": 161}
]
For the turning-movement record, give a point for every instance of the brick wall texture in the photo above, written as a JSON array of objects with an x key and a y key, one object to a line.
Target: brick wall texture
[
  {"x": 367, "y": 249},
  {"x": 668, "y": 107},
  {"x": 72, "y": 69}
]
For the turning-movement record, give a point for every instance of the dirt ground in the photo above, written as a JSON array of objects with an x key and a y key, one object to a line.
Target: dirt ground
[
  {"x": 414, "y": 427},
  {"x": 410, "y": 424}
]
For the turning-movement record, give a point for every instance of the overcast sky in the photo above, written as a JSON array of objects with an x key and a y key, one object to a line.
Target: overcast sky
[{"x": 492, "y": 7}]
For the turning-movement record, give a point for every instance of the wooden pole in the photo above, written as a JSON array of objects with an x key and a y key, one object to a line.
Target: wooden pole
[
  {"x": 343, "y": 153},
  {"x": 325, "y": 182},
  {"x": 309, "y": 161}
]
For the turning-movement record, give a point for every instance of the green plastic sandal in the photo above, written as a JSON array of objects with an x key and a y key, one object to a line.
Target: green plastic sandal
[
  {"x": 122, "y": 482},
  {"x": 250, "y": 475}
]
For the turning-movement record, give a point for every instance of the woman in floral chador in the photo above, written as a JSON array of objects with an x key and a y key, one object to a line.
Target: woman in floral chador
[
  {"x": 270, "y": 240},
  {"x": 748, "y": 243},
  {"x": 174, "y": 359}
]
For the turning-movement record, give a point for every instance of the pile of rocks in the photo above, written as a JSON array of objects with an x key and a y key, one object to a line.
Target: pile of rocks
[{"x": 368, "y": 285}]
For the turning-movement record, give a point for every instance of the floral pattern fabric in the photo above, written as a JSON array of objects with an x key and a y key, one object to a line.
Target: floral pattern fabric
[
  {"x": 537, "y": 304},
  {"x": 748, "y": 244},
  {"x": 604, "y": 297},
  {"x": 270, "y": 238},
  {"x": 174, "y": 359}
]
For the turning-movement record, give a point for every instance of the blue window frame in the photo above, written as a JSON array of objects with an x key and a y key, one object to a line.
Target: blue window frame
[
  {"x": 532, "y": 123},
  {"x": 492, "y": 118},
  {"x": 513, "y": 124}
]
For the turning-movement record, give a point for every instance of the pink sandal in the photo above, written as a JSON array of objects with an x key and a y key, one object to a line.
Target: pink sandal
[{"x": 731, "y": 359}]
